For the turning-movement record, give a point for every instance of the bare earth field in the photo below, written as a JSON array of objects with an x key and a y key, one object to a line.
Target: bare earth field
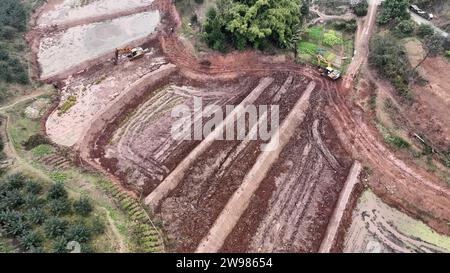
[
  {"x": 215, "y": 195},
  {"x": 377, "y": 228}
]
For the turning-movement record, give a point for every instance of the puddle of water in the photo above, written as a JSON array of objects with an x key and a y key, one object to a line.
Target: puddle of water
[
  {"x": 82, "y": 43},
  {"x": 69, "y": 10}
]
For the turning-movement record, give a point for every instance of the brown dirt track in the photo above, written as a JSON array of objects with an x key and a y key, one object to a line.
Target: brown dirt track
[{"x": 299, "y": 192}]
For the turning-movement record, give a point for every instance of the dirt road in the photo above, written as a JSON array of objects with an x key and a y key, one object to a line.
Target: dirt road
[{"x": 365, "y": 29}]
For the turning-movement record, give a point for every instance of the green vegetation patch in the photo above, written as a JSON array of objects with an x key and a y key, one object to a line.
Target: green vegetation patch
[
  {"x": 307, "y": 48},
  {"x": 41, "y": 150},
  {"x": 69, "y": 103},
  {"x": 315, "y": 33},
  {"x": 392, "y": 139},
  {"x": 43, "y": 218},
  {"x": 58, "y": 177}
]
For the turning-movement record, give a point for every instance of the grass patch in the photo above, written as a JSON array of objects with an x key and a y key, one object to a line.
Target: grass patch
[
  {"x": 315, "y": 33},
  {"x": 392, "y": 139},
  {"x": 307, "y": 48},
  {"x": 69, "y": 103},
  {"x": 42, "y": 150},
  {"x": 58, "y": 177}
]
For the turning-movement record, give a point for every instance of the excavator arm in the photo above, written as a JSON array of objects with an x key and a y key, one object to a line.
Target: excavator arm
[
  {"x": 132, "y": 53},
  {"x": 328, "y": 71}
]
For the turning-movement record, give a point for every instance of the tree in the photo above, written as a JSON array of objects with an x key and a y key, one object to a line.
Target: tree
[
  {"x": 390, "y": 59},
  {"x": 405, "y": 27},
  {"x": 13, "y": 14},
  {"x": 255, "y": 23},
  {"x": 54, "y": 227},
  {"x": 82, "y": 206},
  {"x": 393, "y": 10},
  {"x": 434, "y": 45},
  {"x": 304, "y": 10},
  {"x": 360, "y": 8}
]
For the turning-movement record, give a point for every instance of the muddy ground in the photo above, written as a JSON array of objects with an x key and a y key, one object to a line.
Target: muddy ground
[{"x": 378, "y": 228}]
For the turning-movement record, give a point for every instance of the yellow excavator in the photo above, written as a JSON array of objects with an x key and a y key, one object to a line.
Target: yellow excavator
[
  {"x": 132, "y": 53},
  {"x": 327, "y": 71}
]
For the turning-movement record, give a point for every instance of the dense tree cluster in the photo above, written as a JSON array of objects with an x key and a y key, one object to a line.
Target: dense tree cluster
[
  {"x": 41, "y": 219},
  {"x": 390, "y": 60},
  {"x": 13, "y": 18},
  {"x": 12, "y": 15},
  {"x": 393, "y": 11},
  {"x": 255, "y": 23}
]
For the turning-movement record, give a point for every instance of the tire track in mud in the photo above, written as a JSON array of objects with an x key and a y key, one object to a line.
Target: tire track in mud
[
  {"x": 190, "y": 210},
  {"x": 241, "y": 198},
  {"x": 290, "y": 210}
]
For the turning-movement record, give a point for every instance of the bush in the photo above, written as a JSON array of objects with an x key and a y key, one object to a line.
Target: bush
[
  {"x": 11, "y": 199},
  {"x": 424, "y": 30},
  {"x": 11, "y": 69},
  {"x": 7, "y": 32},
  {"x": 331, "y": 39},
  {"x": 32, "y": 201},
  {"x": 97, "y": 226},
  {"x": 405, "y": 28},
  {"x": 79, "y": 233},
  {"x": 360, "y": 9},
  {"x": 31, "y": 240},
  {"x": 16, "y": 181},
  {"x": 34, "y": 141},
  {"x": 82, "y": 206},
  {"x": 54, "y": 227},
  {"x": 14, "y": 223},
  {"x": 36, "y": 216},
  {"x": 57, "y": 191},
  {"x": 33, "y": 187},
  {"x": 59, "y": 207},
  {"x": 60, "y": 245}
]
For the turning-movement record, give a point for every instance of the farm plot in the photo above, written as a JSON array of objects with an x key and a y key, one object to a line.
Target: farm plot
[
  {"x": 335, "y": 46},
  {"x": 376, "y": 227}
]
